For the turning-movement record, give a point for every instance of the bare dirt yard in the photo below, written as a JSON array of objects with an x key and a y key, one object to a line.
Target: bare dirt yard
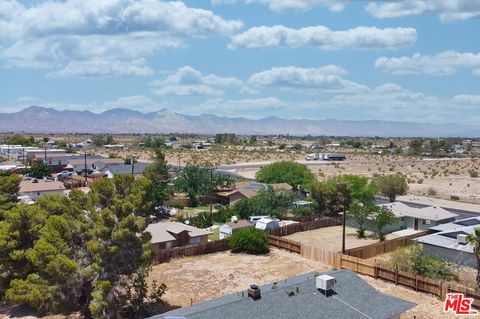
[
  {"x": 330, "y": 238},
  {"x": 202, "y": 278}
]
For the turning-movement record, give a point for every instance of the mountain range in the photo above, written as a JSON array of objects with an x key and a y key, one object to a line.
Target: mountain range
[{"x": 37, "y": 119}]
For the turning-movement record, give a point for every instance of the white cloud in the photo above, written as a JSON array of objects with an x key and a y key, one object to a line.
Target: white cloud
[
  {"x": 222, "y": 2},
  {"x": 189, "y": 81},
  {"x": 324, "y": 38},
  {"x": 103, "y": 68},
  {"x": 444, "y": 63},
  {"x": 53, "y": 34},
  {"x": 249, "y": 108},
  {"x": 300, "y": 5},
  {"x": 448, "y": 10},
  {"x": 466, "y": 99},
  {"x": 26, "y": 99},
  {"x": 327, "y": 79}
]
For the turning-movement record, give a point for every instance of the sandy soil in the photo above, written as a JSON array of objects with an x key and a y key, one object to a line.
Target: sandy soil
[
  {"x": 197, "y": 279},
  {"x": 439, "y": 178},
  {"x": 330, "y": 238}
]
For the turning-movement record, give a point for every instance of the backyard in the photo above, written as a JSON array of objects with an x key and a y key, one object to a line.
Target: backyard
[
  {"x": 330, "y": 238},
  {"x": 196, "y": 279}
]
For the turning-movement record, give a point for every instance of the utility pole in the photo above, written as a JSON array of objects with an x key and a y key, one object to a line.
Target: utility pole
[
  {"x": 45, "y": 148},
  {"x": 344, "y": 202},
  {"x": 211, "y": 189},
  {"x": 85, "y": 171},
  {"x": 132, "y": 159}
]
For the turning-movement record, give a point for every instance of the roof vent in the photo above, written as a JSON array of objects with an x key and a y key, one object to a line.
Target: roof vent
[
  {"x": 254, "y": 292},
  {"x": 234, "y": 219},
  {"x": 324, "y": 282},
  {"x": 462, "y": 239}
]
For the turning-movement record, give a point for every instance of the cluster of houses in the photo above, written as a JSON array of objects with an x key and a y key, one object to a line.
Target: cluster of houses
[{"x": 69, "y": 170}]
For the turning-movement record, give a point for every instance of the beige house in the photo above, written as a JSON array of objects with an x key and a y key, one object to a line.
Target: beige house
[
  {"x": 30, "y": 190},
  {"x": 172, "y": 234},
  {"x": 245, "y": 190}
]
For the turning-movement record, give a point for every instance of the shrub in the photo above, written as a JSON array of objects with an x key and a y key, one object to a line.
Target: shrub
[
  {"x": 454, "y": 197},
  {"x": 431, "y": 192},
  {"x": 473, "y": 173},
  {"x": 249, "y": 240},
  {"x": 302, "y": 211}
]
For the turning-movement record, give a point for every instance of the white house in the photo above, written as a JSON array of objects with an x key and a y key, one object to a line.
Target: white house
[
  {"x": 267, "y": 224},
  {"x": 449, "y": 241},
  {"x": 30, "y": 190},
  {"x": 229, "y": 228}
]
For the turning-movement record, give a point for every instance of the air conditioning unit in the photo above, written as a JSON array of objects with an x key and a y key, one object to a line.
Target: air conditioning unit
[
  {"x": 462, "y": 239},
  {"x": 324, "y": 282}
]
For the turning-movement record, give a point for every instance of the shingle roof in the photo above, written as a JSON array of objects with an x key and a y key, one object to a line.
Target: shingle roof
[
  {"x": 138, "y": 168},
  {"x": 242, "y": 223},
  {"x": 162, "y": 232},
  {"x": 297, "y": 297},
  {"x": 400, "y": 209},
  {"x": 41, "y": 185}
]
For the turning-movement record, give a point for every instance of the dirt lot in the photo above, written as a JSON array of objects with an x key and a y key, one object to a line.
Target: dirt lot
[
  {"x": 210, "y": 276},
  {"x": 436, "y": 178},
  {"x": 330, "y": 238}
]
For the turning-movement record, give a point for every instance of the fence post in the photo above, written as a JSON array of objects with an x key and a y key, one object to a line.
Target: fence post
[
  {"x": 396, "y": 275},
  {"x": 416, "y": 282},
  {"x": 375, "y": 269}
]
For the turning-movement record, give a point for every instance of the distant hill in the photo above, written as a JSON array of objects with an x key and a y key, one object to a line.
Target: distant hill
[{"x": 36, "y": 119}]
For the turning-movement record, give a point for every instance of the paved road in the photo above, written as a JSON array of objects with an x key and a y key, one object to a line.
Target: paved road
[
  {"x": 460, "y": 212},
  {"x": 254, "y": 165}
]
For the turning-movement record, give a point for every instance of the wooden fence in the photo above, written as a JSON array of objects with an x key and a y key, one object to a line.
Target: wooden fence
[
  {"x": 383, "y": 247},
  {"x": 165, "y": 255},
  {"x": 380, "y": 271},
  {"x": 284, "y": 243},
  {"x": 305, "y": 226}
]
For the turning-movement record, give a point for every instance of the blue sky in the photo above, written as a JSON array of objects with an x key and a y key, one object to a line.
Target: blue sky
[{"x": 408, "y": 60}]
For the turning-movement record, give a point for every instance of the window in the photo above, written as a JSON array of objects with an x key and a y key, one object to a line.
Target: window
[{"x": 426, "y": 222}]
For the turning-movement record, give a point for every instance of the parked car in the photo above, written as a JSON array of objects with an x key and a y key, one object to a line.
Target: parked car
[{"x": 64, "y": 174}]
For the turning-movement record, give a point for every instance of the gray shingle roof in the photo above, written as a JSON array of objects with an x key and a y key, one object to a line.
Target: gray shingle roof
[
  {"x": 138, "y": 168},
  {"x": 352, "y": 298}
]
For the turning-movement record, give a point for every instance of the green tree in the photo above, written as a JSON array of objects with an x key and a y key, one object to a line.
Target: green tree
[
  {"x": 285, "y": 172},
  {"x": 18, "y": 139},
  {"x": 249, "y": 240},
  {"x": 199, "y": 181},
  {"x": 328, "y": 196},
  {"x": 9, "y": 186},
  {"x": 415, "y": 147},
  {"x": 76, "y": 252},
  {"x": 391, "y": 186},
  {"x": 271, "y": 202},
  {"x": 157, "y": 173},
  {"x": 360, "y": 211},
  {"x": 383, "y": 217},
  {"x": 40, "y": 170},
  {"x": 474, "y": 240}
]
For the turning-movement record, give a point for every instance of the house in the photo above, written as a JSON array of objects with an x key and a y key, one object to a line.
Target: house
[
  {"x": 245, "y": 190},
  {"x": 31, "y": 189},
  {"x": 419, "y": 218},
  {"x": 267, "y": 223},
  {"x": 448, "y": 241},
  {"x": 229, "y": 228},
  {"x": 407, "y": 217},
  {"x": 112, "y": 170},
  {"x": 36, "y": 154},
  {"x": 334, "y": 294},
  {"x": 77, "y": 163},
  {"x": 172, "y": 234}
]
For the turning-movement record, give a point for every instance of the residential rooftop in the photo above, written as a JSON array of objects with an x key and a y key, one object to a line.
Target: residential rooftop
[
  {"x": 163, "y": 231},
  {"x": 445, "y": 235},
  {"x": 436, "y": 213},
  {"x": 298, "y": 297},
  {"x": 40, "y": 185}
]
